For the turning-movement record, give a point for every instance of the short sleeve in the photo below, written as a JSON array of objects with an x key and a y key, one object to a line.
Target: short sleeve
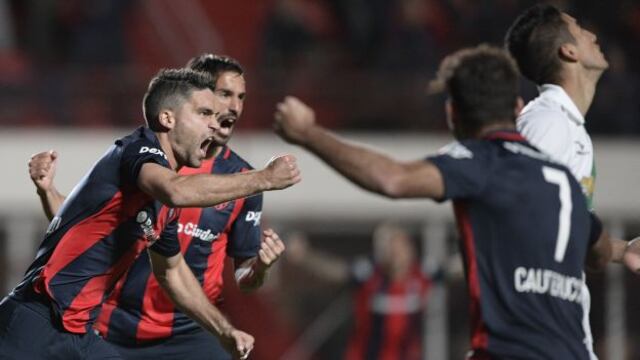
[
  {"x": 138, "y": 153},
  {"x": 548, "y": 131},
  {"x": 596, "y": 229},
  {"x": 464, "y": 170},
  {"x": 168, "y": 244},
  {"x": 245, "y": 234}
]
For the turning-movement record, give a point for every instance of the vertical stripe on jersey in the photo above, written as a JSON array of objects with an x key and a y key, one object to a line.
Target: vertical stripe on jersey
[
  {"x": 93, "y": 234},
  {"x": 214, "y": 270},
  {"x": 102, "y": 323},
  {"x": 479, "y": 338}
]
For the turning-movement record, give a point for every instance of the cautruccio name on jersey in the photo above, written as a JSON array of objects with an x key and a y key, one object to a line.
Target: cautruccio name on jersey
[{"x": 548, "y": 282}]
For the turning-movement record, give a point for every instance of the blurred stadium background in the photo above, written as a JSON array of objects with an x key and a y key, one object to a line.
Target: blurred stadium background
[{"x": 73, "y": 72}]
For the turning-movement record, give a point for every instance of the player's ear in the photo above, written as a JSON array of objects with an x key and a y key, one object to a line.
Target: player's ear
[
  {"x": 519, "y": 106},
  {"x": 167, "y": 119},
  {"x": 450, "y": 111},
  {"x": 568, "y": 52}
]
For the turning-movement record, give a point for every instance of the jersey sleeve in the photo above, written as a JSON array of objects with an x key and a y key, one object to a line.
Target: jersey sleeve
[
  {"x": 464, "y": 170},
  {"x": 138, "y": 153},
  {"x": 596, "y": 228},
  {"x": 168, "y": 244},
  {"x": 245, "y": 234},
  {"x": 548, "y": 131}
]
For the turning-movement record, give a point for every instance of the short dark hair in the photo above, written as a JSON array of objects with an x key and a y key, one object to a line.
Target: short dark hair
[
  {"x": 534, "y": 40},
  {"x": 169, "y": 88},
  {"x": 215, "y": 65},
  {"x": 482, "y": 83}
]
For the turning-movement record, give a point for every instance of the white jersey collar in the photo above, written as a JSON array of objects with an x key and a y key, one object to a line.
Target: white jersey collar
[{"x": 557, "y": 94}]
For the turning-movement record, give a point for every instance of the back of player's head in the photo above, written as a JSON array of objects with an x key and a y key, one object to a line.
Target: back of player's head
[
  {"x": 168, "y": 89},
  {"x": 215, "y": 64},
  {"x": 534, "y": 40},
  {"x": 482, "y": 83}
]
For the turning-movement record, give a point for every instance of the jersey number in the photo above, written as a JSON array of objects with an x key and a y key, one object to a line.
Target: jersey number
[{"x": 557, "y": 177}]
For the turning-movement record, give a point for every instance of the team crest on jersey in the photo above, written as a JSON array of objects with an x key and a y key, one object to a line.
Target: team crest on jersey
[
  {"x": 222, "y": 206},
  {"x": 456, "y": 151}
]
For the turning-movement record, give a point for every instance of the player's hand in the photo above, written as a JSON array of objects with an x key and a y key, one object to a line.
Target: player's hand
[
  {"x": 42, "y": 170},
  {"x": 631, "y": 257},
  {"x": 293, "y": 119},
  {"x": 282, "y": 172},
  {"x": 238, "y": 343},
  {"x": 271, "y": 249}
]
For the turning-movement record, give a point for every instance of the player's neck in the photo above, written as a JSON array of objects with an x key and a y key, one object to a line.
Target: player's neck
[
  {"x": 581, "y": 88},
  {"x": 165, "y": 144},
  {"x": 213, "y": 151}
]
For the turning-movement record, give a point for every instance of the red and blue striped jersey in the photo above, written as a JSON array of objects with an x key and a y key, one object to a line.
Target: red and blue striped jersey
[
  {"x": 525, "y": 231},
  {"x": 388, "y": 314},
  {"x": 102, "y": 227},
  {"x": 138, "y": 310}
]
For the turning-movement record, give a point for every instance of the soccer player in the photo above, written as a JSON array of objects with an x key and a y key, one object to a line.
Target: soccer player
[
  {"x": 525, "y": 228},
  {"x": 564, "y": 60},
  {"x": 142, "y": 329},
  {"x": 111, "y": 216},
  {"x": 389, "y": 293}
]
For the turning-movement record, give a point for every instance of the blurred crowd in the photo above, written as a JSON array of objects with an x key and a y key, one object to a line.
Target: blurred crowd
[{"x": 363, "y": 64}]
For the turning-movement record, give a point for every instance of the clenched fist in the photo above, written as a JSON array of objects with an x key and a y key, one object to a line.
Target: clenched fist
[
  {"x": 42, "y": 169},
  {"x": 281, "y": 172},
  {"x": 270, "y": 249},
  {"x": 293, "y": 119}
]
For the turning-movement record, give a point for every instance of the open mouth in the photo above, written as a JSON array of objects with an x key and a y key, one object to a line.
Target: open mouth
[{"x": 205, "y": 144}]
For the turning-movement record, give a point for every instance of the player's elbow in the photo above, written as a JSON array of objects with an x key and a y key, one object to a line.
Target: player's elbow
[
  {"x": 392, "y": 187},
  {"x": 175, "y": 196}
]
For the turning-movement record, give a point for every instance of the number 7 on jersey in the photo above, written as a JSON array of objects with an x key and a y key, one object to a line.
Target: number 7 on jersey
[{"x": 558, "y": 177}]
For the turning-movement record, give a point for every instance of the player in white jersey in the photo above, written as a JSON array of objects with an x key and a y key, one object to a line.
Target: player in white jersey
[{"x": 565, "y": 61}]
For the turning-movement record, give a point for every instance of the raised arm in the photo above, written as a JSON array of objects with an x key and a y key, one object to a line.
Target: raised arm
[
  {"x": 175, "y": 277},
  {"x": 42, "y": 170},
  {"x": 204, "y": 190},
  {"x": 371, "y": 170}
]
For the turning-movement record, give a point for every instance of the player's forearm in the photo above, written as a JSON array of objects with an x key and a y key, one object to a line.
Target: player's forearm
[
  {"x": 325, "y": 266},
  {"x": 205, "y": 190},
  {"x": 51, "y": 201},
  {"x": 186, "y": 293},
  {"x": 362, "y": 166},
  {"x": 251, "y": 276},
  {"x": 618, "y": 248}
]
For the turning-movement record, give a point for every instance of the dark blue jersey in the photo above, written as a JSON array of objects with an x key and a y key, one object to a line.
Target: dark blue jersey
[
  {"x": 525, "y": 232},
  {"x": 99, "y": 231},
  {"x": 138, "y": 310}
]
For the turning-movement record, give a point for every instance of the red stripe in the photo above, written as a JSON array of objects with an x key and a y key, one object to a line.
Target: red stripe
[
  {"x": 505, "y": 135},
  {"x": 395, "y": 326},
  {"x": 157, "y": 312},
  {"x": 104, "y": 319},
  {"x": 227, "y": 154},
  {"x": 212, "y": 277},
  {"x": 92, "y": 293},
  {"x": 479, "y": 336},
  {"x": 77, "y": 240}
]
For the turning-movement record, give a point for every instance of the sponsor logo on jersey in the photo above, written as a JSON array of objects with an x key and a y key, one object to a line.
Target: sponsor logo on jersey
[
  {"x": 253, "y": 216},
  {"x": 193, "y": 230},
  {"x": 151, "y": 150}
]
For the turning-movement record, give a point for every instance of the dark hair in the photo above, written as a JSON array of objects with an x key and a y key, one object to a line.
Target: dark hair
[
  {"x": 482, "y": 83},
  {"x": 534, "y": 40},
  {"x": 168, "y": 89},
  {"x": 215, "y": 64}
]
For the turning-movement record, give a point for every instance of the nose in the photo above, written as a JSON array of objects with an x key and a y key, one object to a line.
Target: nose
[
  {"x": 214, "y": 123},
  {"x": 235, "y": 105}
]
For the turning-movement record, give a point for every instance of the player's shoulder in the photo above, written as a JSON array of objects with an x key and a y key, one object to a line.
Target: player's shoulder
[
  {"x": 467, "y": 149},
  {"x": 233, "y": 161}
]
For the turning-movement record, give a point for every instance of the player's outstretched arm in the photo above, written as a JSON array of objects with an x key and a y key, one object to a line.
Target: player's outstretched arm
[
  {"x": 373, "y": 171},
  {"x": 175, "y": 277},
  {"x": 42, "y": 170},
  {"x": 251, "y": 273},
  {"x": 204, "y": 190}
]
